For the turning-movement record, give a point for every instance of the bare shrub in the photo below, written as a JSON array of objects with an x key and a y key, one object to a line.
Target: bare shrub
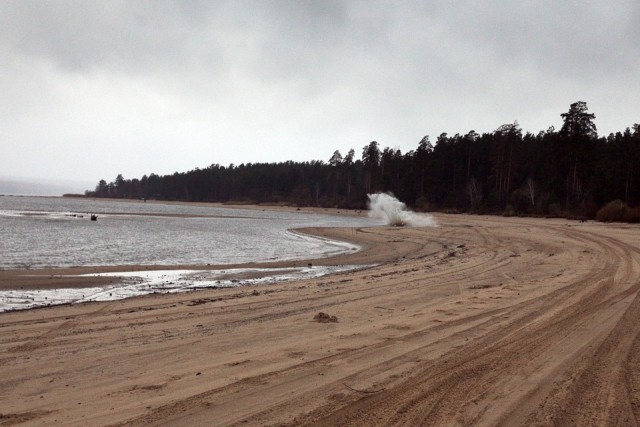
[{"x": 615, "y": 211}]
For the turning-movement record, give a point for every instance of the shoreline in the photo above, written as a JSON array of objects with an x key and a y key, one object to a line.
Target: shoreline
[
  {"x": 372, "y": 251},
  {"x": 75, "y": 277}
]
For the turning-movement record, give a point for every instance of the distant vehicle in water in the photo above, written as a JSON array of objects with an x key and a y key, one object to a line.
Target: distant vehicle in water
[{"x": 94, "y": 217}]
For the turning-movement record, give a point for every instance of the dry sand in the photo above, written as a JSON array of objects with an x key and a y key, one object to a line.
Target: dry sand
[{"x": 481, "y": 321}]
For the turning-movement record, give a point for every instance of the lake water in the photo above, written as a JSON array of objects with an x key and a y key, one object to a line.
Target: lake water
[
  {"x": 57, "y": 232},
  {"x": 38, "y": 232}
]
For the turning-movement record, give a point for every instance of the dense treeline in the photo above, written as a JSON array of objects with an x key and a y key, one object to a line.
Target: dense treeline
[{"x": 570, "y": 172}]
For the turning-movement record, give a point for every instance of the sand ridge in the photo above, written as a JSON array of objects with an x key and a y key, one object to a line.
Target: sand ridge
[{"x": 481, "y": 321}]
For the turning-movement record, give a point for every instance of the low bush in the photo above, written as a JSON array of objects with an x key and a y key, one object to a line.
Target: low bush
[{"x": 615, "y": 211}]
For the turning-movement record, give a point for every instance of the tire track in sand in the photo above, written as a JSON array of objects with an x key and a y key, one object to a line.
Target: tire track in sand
[{"x": 460, "y": 387}]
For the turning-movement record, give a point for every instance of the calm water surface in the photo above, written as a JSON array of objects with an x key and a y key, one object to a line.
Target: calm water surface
[{"x": 40, "y": 232}]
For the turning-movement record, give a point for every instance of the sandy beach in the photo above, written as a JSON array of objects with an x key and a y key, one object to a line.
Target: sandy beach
[{"x": 480, "y": 321}]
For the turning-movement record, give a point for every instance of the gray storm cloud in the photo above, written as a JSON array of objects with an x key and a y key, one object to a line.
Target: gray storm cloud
[{"x": 92, "y": 89}]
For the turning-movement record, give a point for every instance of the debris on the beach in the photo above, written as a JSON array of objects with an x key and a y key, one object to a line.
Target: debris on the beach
[{"x": 325, "y": 318}]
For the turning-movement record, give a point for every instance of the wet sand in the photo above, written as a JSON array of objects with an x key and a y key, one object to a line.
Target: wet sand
[{"x": 481, "y": 321}]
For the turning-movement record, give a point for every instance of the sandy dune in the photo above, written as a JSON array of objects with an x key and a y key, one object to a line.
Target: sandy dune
[{"x": 481, "y": 321}]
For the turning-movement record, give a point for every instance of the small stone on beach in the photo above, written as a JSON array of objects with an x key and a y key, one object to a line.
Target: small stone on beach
[{"x": 325, "y": 318}]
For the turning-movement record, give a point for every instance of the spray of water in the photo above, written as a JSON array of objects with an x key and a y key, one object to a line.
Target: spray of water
[{"x": 387, "y": 207}]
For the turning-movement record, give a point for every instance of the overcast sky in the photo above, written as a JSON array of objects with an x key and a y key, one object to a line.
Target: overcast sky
[{"x": 91, "y": 89}]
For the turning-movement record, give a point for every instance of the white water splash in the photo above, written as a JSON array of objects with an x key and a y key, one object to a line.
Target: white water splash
[{"x": 392, "y": 210}]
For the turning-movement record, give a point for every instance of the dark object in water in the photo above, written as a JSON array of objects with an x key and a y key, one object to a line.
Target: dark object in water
[{"x": 94, "y": 217}]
